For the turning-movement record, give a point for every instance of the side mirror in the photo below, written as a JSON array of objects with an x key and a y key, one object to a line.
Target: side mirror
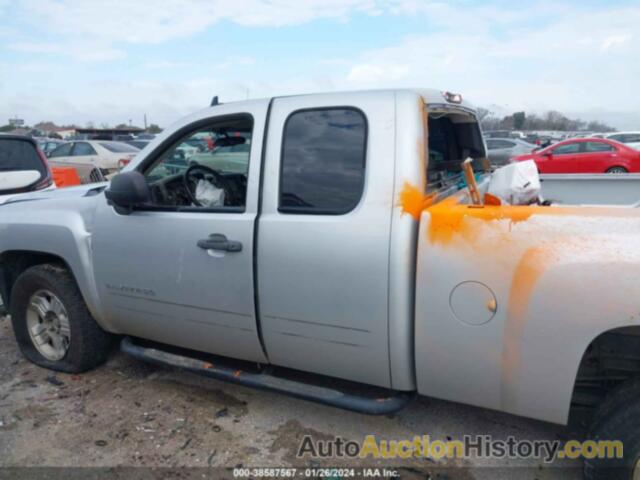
[{"x": 126, "y": 191}]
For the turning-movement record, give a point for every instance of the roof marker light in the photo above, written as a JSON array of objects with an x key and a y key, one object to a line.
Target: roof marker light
[{"x": 452, "y": 97}]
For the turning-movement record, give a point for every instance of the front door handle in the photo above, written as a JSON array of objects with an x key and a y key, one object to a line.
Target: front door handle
[{"x": 218, "y": 241}]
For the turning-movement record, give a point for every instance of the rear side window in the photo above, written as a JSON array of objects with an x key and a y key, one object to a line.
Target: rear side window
[
  {"x": 323, "y": 161},
  {"x": 119, "y": 147},
  {"x": 63, "y": 150},
  {"x": 18, "y": 155},
  {"x": 591, "y": 147},
  {"x": 83, "y": 148}
]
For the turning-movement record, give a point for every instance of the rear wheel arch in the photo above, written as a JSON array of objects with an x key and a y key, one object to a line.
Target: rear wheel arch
[
  {"x": 606, "y": 401},
  {"x": 607, "y": 362}
]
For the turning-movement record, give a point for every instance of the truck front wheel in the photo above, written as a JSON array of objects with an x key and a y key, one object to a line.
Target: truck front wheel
[
  {"x": 52, "y": 324},
  {"x": 617, "y": 419}
]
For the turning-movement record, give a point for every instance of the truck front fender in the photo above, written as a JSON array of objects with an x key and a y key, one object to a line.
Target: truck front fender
[{"x": 49, "y": 232}]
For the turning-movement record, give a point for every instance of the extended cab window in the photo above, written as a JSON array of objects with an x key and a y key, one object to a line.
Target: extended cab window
[
  {"x": 206, "y": 168},
  {"x": 323, "y": 161}
]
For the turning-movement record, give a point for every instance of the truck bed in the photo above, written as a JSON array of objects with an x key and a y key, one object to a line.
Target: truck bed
[{"x": 589, "y": 189}]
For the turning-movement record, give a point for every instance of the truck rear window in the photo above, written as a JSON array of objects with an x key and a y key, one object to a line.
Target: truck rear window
[
  {"x": 16, "y": 155},
  {"x": 453, "y": 137},
  {"x": 323, "y": 161}
]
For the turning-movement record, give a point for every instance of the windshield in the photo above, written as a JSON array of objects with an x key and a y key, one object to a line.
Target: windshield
[{"x": 119, "y": 147}]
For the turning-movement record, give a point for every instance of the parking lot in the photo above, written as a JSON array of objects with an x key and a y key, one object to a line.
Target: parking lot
[{"x": 128, "y": 413}]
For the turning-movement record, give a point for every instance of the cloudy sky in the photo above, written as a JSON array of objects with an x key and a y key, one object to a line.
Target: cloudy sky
[{"x": 75, "y": 61}]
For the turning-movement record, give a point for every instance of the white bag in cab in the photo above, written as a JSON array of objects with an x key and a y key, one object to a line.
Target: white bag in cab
[{"x": 516, "y": 184}]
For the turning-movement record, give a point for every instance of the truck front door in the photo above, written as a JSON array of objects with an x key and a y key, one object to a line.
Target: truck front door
[
  {"x": 180, "y": 270},
  {"x": 324, "y": 233}
]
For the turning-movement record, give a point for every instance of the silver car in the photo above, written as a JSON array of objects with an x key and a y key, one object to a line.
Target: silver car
[{"x": 500, "y": 150}]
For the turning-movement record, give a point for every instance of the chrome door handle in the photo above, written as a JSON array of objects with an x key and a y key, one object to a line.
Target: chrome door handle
[{"x": 218, "y": 241}]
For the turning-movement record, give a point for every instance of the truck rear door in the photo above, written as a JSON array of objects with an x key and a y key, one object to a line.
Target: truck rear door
[{"x": 323, "y": 235}]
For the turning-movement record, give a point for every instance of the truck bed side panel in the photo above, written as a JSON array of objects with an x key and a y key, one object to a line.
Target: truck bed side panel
[{"x": 509, "y": 298}]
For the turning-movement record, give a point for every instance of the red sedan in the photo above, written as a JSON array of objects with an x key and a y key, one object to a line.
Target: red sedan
[{"x": 585, "y": 155}]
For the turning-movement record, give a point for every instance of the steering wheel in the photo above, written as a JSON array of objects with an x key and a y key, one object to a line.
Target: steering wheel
[{"x": 219, "y": 180}]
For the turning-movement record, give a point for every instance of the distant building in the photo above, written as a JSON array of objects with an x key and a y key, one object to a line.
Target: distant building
[
  {"x": 107, "y": 133},
  {"x": 46, "y": 129}
]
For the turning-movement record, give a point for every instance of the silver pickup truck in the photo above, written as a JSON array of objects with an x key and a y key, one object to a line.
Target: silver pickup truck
[{"x": 334, "y": 234}]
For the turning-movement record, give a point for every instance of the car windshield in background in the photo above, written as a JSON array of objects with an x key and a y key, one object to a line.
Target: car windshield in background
[
  {"x": 119, "y": 147},
  {"x": 16, "y": 155}
]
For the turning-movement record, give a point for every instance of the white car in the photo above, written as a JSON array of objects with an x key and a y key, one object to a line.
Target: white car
[
  {"x": 631, "y": 139},
  {"x": 109, "y": 156}
]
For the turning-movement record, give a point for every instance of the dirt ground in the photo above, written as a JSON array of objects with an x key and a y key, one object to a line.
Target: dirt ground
[{"x": 128, "y": 413}]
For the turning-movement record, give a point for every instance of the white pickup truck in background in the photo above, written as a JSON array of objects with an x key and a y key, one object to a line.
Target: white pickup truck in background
[{"x": 338, "y": 236}]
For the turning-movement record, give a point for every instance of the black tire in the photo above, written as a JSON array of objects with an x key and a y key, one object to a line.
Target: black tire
[
  {"x": 617, "y": 170},
  {"x": 89, "y": 345},
  {"x": 618, "y": 418}
]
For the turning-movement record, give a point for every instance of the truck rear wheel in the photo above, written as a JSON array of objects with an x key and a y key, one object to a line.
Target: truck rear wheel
[
  {"x": 618, "y": 418},
  {"x": 52, "y": 324}
]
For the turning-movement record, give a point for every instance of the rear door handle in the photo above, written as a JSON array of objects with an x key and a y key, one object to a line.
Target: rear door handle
[{"x": 218, "y": 241}]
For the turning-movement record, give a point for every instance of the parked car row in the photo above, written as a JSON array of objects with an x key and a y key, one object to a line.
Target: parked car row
[
  {"x": 599, "y": 153},
  {"x": 502, "y": 150},
  {"x": 585, "y": 155},
  {"x": 108, "y": 156},
  {"x": 632, "y": 139}
]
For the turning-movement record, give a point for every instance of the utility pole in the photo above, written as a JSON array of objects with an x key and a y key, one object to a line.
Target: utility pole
[{"x": 145, "y": 121}]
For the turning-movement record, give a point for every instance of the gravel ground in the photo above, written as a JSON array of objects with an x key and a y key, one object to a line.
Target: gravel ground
[{"x": 128, "y": 413}]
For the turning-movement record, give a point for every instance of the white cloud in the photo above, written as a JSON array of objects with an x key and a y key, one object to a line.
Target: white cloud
[
  {"x": 82, "y": 52},
  {"x": 547, "y": 55},
  {"x": 165, "y": 65},
  {"x": 559, "y": 64},
  {"x": 156, "y": 21},
  {"x": 615, "y": 41},
  {"x": 367, "y": 73}
]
